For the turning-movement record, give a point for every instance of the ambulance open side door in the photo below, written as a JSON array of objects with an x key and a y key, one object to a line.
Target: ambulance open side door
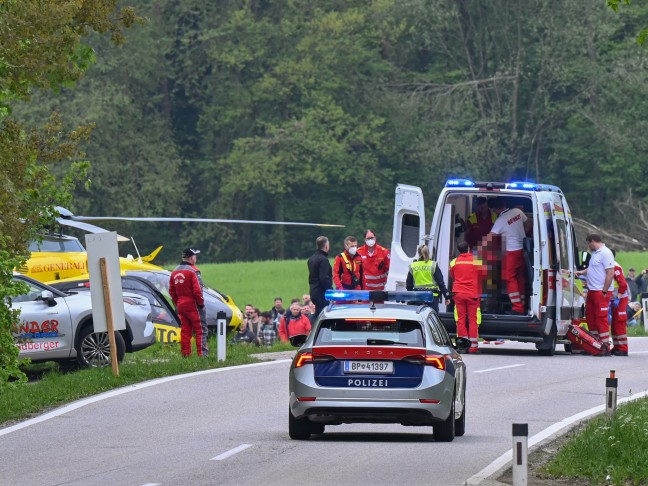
[{"x": 408, "y": 233}]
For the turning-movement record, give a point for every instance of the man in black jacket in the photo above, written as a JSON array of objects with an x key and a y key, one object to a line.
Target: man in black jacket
[{"x": 320, "y": 274}]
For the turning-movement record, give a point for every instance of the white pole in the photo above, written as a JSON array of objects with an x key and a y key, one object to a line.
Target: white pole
[
  {"x": 611, "y": 395},
  {"x": 520, "y": 454},
  {"x": 221, "y": 335}
]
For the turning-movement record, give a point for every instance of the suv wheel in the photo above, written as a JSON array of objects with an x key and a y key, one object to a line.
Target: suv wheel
[{"x": 93, "y": 350}]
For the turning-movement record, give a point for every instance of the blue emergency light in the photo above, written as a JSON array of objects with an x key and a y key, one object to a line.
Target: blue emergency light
[
  {"x": 459, "y": 183},
  {"x": 529, "y": 186},
  {"x": 379, "y": 295}
]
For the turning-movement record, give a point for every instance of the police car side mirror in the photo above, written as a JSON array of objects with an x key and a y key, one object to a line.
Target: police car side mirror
[
  {"x": 298, "y": 340},
  {"x": 48, "y": 297},
  {"x": 585, "y": 258}
]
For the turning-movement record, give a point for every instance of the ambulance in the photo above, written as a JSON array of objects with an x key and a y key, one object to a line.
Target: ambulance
[{"x": 554, "y": 297}]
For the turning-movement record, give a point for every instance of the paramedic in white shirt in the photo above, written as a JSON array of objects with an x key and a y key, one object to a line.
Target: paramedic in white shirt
[
  {"x": 513, "y": 225},
  {"x": 600, "y": 273}
]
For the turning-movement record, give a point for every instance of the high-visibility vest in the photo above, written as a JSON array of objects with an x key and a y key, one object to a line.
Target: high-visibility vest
[{"x": 423, "y": 275}]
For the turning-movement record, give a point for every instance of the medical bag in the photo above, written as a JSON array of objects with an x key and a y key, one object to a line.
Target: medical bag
[{"x": 583, "y": 339}]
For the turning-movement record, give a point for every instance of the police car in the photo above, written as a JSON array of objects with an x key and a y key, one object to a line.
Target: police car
[{"x": 369, "y": 362}]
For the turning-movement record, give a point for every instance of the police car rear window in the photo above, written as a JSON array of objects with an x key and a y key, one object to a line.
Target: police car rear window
[{"x": 360, "y": 331}]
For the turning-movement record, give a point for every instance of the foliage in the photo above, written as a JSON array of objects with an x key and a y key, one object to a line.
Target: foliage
[
  {"x": 313, "y": 111},
  {"x": 40, "y": 47}
]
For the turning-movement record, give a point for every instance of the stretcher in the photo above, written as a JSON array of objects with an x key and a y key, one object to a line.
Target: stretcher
[{"x": 583, "y": 339}]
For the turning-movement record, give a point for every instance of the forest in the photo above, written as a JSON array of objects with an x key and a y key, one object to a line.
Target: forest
[{"x": 303, "y": 110}]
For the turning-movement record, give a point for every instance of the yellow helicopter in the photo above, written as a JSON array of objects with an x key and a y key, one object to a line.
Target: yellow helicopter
[{"x": 59, "y": 259}]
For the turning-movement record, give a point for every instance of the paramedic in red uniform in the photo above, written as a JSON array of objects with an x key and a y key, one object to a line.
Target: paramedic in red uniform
[
  {"x": 513, "y": 225},
  {"x": 186, "y": 292},
  {"x": 480, "y": 222},
  {"x": 600, "y": 274},
  {"x": 620, "y": 293},
  {"x": 347, "y": 269},
  {"x": 375, "y": 263},
  {"x": 465, "y": 277}
]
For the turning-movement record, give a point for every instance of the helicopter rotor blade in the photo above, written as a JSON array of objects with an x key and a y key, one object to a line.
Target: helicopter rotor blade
[
  {"x": 90, "y": 228},
  {"x": 202, "y": 220}
]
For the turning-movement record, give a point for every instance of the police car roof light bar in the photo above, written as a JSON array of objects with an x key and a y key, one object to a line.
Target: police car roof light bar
[{"x": 379, "y": 295}]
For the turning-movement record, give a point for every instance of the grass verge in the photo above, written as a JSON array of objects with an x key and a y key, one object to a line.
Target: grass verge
[
  {"x": 54, "y": 386},
  {"x": 607, "y": 451}
]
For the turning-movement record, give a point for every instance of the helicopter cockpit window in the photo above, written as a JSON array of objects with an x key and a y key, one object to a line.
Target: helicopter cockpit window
[{"x": 57, "y": 245}]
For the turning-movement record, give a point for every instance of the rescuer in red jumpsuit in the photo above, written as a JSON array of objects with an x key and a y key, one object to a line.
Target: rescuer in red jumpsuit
[
  {"x": 186, "y": 291},
  {"x": 619, "y": 293},
  {"x": 375, "y": 263},
  {"x": 466, "y": 273},
  {"x": 513, "y": 225},
  {"x": 347, "y": 270}
]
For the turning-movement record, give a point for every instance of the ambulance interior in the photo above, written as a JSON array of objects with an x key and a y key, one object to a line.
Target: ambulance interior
[{"x": 453, "y": 230}]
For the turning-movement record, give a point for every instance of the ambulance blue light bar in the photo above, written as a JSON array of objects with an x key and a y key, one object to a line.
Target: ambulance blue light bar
[
  {"x": 529, "y": 186},
  {"x": 379, "y": 295},
  {"x": 459, "y": 183}
]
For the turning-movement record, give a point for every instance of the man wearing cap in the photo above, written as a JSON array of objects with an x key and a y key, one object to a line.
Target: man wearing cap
[{"x": 185, "y": 287}]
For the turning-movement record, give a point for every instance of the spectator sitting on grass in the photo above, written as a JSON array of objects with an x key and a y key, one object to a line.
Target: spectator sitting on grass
[
  {"x": 245, "y": 336},
  {"x": 632, "y": 310},
  {"x": 268, "y": 330}
]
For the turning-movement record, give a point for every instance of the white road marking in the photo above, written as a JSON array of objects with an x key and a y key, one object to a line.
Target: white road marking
[
  {"x": 499, "y": 368},
  {"x": 152, "y": 484},
  {"x": 231, "y": 452},
  {"x": 505, "y": 460},
  {"x": 127, "y": 389}
]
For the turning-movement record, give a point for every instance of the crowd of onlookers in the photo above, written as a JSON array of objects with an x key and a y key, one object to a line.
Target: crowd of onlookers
[
  {"x": 277, "y": 324},
  {"x": 637, "y": 285}
]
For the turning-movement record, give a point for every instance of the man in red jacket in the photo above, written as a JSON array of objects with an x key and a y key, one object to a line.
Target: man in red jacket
[
  {"x": 186, "y": 291},
  {"x": 293, "y": 323},
  {"x": 347, "y": 270},
  {"x": 375, "y": 263},
  {"x": 465, "y": 275}
]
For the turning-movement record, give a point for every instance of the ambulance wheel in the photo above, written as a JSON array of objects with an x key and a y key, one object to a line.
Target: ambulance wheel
[
  {"x": 548, "y": 345},
  {"x": 317, "y": 428},
  {"x": 445, "y": 431},
  {"x": 298, "y": 429}
]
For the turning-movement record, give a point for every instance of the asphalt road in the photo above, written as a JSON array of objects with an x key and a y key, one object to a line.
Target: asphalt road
[{"x": 229, "y": 427}]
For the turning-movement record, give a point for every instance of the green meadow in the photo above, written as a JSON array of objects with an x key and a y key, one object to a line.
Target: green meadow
[{"x": 258, "y": 283}]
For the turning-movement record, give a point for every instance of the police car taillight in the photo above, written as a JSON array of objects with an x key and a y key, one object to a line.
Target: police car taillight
[
  {"x": 307, "y": 357},
  {"x": 434, "y": 360},
  {"x": 302, "y": 359}
]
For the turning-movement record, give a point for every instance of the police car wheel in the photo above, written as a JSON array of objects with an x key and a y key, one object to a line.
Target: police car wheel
[
  {"x": 445, "y": 431},
  {"x": 93, "y": 350},
  {"x": 298, "y": 429},
  {"x": 460, "y": 423},
  {"x": 317, "y": 428}
]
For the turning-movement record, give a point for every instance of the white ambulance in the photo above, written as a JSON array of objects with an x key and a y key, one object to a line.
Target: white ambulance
[{"x": 554, "y": 297}]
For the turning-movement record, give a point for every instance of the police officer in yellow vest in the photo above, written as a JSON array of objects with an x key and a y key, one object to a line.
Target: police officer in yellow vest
[{"x": 424, "y": 274}]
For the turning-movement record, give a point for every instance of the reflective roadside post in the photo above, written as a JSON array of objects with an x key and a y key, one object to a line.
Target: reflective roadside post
[
  {"x": 611, "y": 395},
  {"x": 221, "y": 335},
  {"x": 520, "y": 454}
]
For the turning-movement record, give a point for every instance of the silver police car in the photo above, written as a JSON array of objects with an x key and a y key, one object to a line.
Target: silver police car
[{"x": 369, "y": 362}]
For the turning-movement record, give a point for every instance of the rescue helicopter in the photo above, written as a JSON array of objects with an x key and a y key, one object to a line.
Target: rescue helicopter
[{"x": 62, "y": 261}]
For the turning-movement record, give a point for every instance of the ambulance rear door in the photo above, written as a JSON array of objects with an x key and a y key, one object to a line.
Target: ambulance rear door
[
  {"x": 408, "y": 233},
  {"x": 559, "y": 274}
]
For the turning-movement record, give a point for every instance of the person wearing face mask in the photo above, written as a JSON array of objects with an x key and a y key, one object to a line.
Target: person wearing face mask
[
  {"x": 347, "y": 270},
  {"x": 375, "y": 263}
]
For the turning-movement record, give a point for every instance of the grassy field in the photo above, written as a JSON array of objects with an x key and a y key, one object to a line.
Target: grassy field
[
  {"x": 607, "y": 451},
  {"x": 258, "y": 283}
]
